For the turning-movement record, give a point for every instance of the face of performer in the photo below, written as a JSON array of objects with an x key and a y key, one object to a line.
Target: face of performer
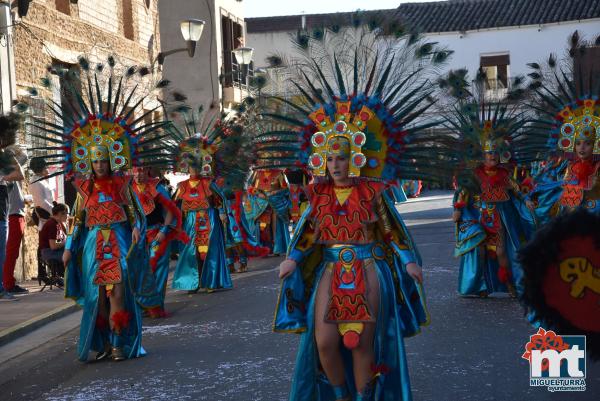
[
  {"x": 193, "y": 172},
  {"x": 337, "y": 166},
  {"x": 140, "y": 175},
  {"x": 101, "y": 168},
  {"x": 584, "y": 149},
  {"x": 491, "y": 159}
]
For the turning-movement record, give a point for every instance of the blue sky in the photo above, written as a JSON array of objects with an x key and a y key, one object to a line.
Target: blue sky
[{"x": 268, "y": 8}]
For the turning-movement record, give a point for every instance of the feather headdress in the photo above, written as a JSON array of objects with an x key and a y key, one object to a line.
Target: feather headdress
[
  {"x": 101, "y": 115},
  {"x": 362, "y": 91}
]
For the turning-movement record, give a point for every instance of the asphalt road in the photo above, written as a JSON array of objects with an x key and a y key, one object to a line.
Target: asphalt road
[{"x": 220, "y": 346}]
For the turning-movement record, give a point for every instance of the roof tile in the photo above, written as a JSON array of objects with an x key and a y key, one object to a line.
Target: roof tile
[{"x": 449, "y": 16}]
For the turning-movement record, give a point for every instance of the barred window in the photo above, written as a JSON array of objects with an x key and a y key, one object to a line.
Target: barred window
[{"x": 37, "y": 108}]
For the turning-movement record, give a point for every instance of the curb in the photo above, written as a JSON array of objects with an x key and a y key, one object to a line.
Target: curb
[{"x": 21, "y": 329}]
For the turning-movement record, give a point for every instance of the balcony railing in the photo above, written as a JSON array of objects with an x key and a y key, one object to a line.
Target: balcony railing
[
  {"x": 495, "y": 89},
  {"x": 236, "y": 77},
  {"x": 236, "y": 83}
]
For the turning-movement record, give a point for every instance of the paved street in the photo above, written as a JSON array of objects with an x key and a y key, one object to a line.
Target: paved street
[{"x": 220, "y": 346}]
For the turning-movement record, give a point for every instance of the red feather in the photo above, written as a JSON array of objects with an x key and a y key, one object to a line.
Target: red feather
[
  {"x": 120, "y": 320},
  {"x": 582, "y": 170},
  {"x": 503, "y": 274},
  {"x": 460, "y": 205}
]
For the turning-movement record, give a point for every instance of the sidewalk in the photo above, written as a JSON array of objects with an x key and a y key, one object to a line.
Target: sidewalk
[
  {"x": 36, "y": 309},
  {"x": 32, "y": 310}
]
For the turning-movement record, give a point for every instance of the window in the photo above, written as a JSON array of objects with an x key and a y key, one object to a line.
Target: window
[
  {"x": 37, "y": 108},
  {"x": 232, "y": 37},
  {"x": 128, "y": 19},
  {"x": 64, "y": 6},
  {"x": 496, "y": 69}
]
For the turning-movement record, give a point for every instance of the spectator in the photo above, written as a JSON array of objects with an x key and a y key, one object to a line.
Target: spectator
[
  {"x": 41, "y": 190},
  {"x": 9, "y": 171},
  {"x": 16, "y": 228},
  {"x": 54, "y": 234}
]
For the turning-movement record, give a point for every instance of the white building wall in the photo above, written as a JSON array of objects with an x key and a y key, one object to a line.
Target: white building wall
[
  {"x": 268, "y": 43},
  {"x": 523, "y": 44}
]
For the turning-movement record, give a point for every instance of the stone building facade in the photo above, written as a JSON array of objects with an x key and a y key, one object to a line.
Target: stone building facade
[{"x": 57, "y": 32}]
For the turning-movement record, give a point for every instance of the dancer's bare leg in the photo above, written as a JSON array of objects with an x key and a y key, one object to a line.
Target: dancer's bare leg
[
  {"x": 363, "y": 356},
  {"x": 327, "y": 335}
]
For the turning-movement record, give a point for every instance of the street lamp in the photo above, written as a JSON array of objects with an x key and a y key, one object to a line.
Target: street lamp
[
  {"x": 243, "y": 56},
  {"x": 191, "y": 30}
]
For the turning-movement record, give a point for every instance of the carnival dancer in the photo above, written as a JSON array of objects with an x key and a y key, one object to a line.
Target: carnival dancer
[
  {"x": 297, "y": 180},
  {"x": 239, "y": 240},
  {"x": 492, "y": 221},
  {"x": 97, "y": 140},
  {"x": 412, "y": 188},
  {"x": 206, "y": 156},
  {"x": 352, "y": 281},
  {"x": 267, "y": 209},
  {"x": 568, "y": 116},
  {"x": 163, "y": 225}
]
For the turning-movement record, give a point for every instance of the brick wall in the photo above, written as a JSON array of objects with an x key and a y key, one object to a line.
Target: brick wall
[
  {"x": 93, "y": 28},
  {"x": 101, "y": 14}
]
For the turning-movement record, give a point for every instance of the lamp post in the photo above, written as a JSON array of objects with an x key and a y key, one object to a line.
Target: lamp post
[
  {"x": 243, "y": 56},
  {"x": 191, "y": 30}
]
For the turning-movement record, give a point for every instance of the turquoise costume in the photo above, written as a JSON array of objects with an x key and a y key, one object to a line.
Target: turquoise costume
[
  {"x": 154, "y": 200},
  {"x": 101, "y": 124},
  {"x": 363, "y": 113},
  {"x": 482, "y": 221},
  {"x": 567, "y": 114},
  {"x": 82, "y": 280},
  {"x": 267, "y": 210},
  {"x": 202, "y": 261},
  {"x": 397, "y": 192},
  {"x": 401, "y": 307},
  {"x": 492, "y": 222}
]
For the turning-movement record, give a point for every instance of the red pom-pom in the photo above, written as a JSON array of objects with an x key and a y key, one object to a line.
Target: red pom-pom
[
  {"x": 503, "y": 274},
  {"x": 460, "y": 205},
  {"x": 120, "y": 320},
  {"x": 351, "y": 339},
  {"x": 157, "y": 312}
]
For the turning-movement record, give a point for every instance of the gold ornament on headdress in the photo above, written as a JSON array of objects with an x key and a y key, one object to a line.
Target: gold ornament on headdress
[
  {"x": 197, "y": 153},
  {"x": 581, "y": 122},
  {"x": 492, "y": 142},
  {"x": 343, "y": 136},
  {"x": 100, "y": 139}
]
